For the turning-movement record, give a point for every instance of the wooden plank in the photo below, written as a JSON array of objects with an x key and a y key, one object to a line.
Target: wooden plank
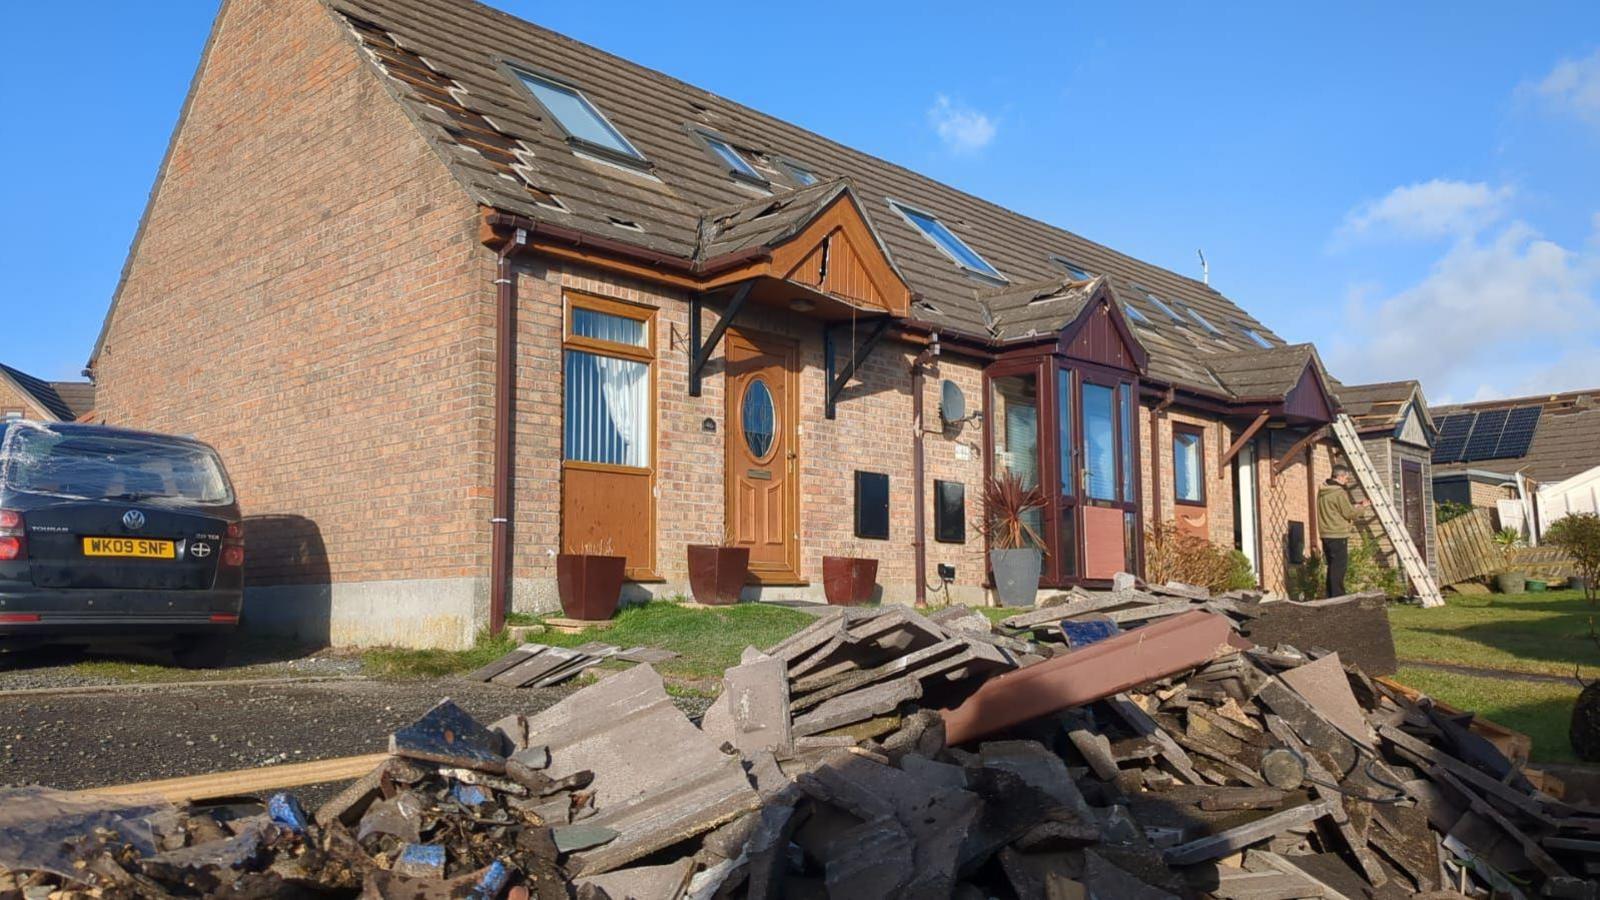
[
  {"x": 245, "y": 782},
  {"x": 1517, "y": 747},
  {"x": 1467, "y": 549},
  {"x": 1137, "y": 719},
  {"x": 1224, "y": 843},
  {"x": 1322, "y": 782}
]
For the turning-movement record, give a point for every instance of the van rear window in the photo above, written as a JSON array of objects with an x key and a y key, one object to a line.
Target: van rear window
[{"x": 104, "y": 466}]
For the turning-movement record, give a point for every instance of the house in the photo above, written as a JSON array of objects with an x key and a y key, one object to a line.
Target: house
[
  {"x": 23, "y": 396},
  {"x": 1484, "y": 446},
  {"x": 453, "y": 293},
  {"x": 1397, "y": 430}
]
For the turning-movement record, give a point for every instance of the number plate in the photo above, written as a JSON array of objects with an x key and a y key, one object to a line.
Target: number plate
[{"x": 138, "y": 548}]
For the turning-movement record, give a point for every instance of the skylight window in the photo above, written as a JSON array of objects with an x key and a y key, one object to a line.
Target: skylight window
[
  {"x": 1134, "y": 314},
  {"x": 801, "y": 175},
  {"x": 1073, "y": 269},
  {"x": 737, "y": 165},
  {"x": 582, "y": 122},
  {"x": 1170, "y": 312},
  {"x": 1255, "y": 336},
  {"x": 946, "y": 240},
  {"x": 1204, "y": 323}
]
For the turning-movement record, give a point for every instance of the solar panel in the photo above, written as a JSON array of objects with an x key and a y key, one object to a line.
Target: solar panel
[
  {"x": 1518, "y": 433},
  {"x": 1485, "y": 434},
  {"x": 1453, "y": 431}
]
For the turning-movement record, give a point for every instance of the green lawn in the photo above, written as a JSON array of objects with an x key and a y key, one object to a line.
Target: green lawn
[
  {"x": 708, "y": 641},
  {"x": 1546, "y": 633},
  {"x": 1541, "y": 710}
]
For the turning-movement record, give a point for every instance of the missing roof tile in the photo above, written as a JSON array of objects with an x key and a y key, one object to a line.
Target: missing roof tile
[{"x": 625, "y": 224}]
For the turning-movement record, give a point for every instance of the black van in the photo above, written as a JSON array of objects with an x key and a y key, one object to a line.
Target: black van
[{"x": 107, "y": 533}]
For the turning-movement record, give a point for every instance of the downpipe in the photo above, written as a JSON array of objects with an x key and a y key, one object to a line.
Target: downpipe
[{"x": 505, "y": 386}]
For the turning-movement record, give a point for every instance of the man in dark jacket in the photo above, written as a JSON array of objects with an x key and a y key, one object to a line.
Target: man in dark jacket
[{"x": 1336, "y": 524}]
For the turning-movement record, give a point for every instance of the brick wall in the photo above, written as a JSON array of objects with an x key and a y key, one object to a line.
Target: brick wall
[
  {"x": 13, "y": 400},
  {"x": 308, "y": 296},
  {"x": 873, "y": 431}
]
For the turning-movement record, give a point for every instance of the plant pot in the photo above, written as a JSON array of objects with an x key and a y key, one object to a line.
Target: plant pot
[
  {"x": 1537, "y": 586},
  {"x": 590, "y": 586},
  {"x": 1510, "y": 582},
  {"x": 1016, "y": 575},
  {"x": 848, "y": 580},
  {"x": 717, "y": 574}
]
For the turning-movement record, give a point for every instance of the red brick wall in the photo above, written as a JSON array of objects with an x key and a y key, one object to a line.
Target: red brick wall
[
  {"x": 873, "y": 431},
  {"x": 13, "y": 400},
  {"x": 309, "y": 296}
]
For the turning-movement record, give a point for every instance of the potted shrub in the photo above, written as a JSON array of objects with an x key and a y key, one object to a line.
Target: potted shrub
[
  {"x": 717, "y": 572},
  {"x": 849, "y": 580},
  {"x": 1510, "y": 582},
  {"x": 1016, "y": 552},
  {"x": 1579, "y": 535},
  {"x": 590, "y": 581}
]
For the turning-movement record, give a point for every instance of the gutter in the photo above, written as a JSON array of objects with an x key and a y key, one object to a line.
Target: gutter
[
  {"x": 505, "y": 386},
  {"x": 633, "y": 252}
]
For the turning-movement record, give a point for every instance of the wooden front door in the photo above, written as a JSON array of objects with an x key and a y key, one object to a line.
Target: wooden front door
[
  {"x": 1415, "y": 509},
  {"x": 763, "y": 497}
]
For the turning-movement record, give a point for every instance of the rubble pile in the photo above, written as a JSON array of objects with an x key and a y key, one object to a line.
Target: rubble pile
[{"x": 883, "y": 753}]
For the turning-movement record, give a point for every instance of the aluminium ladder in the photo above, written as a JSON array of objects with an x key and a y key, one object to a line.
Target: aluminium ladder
[{"x": 1378, "y": 492}]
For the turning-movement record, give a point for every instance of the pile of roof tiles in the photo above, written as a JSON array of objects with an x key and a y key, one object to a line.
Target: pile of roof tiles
[{"x": 885, "y": 753}]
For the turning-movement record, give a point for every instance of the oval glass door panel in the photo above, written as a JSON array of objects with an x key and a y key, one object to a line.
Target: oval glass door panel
[{"x": 758, "y": 417}]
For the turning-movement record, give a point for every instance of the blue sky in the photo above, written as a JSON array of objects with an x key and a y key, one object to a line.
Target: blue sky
[{"x": 1414, "y": 187}]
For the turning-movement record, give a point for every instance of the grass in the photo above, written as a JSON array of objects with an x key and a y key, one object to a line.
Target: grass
[
  {"x": 708, "y": 641},
  {"x": 1541, "y": 710},
  {"x": 1544, "y": 633}
]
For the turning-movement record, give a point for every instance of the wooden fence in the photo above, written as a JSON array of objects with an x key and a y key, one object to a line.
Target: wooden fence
[
  {"x": 1467, "y": 549},
  {"x": 1541, "y": 562}
]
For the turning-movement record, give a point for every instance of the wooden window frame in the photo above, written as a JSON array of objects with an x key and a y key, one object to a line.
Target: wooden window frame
[
  {"x": 646, "y": 354},
  {"x": 1199, "y": 434}
]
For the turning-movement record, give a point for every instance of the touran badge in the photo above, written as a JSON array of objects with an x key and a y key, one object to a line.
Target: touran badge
[{"x": 133, "y": 520}]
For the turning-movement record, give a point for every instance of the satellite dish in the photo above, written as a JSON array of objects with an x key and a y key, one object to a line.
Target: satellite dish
[{"x": 952, "y": 403}]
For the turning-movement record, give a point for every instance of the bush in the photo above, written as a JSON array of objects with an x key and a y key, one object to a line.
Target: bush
[
  {"x": 1365, "y": 572},
  {"x": 1579, "y": 535},
  {"x": 1171, "y": 555},
  {"x": 1450, "y": 509}
]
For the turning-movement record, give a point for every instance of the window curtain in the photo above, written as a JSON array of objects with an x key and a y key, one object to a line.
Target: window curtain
[{"x": 607, "y": 410}]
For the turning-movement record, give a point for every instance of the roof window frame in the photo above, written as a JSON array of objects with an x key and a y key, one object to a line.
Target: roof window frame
[
  {"x": 1254, "y": 336},
  {"x": 520, "y": 73},
  {"x": 1134, "y": 313},
  {"x": 708, "y": 139},
  {"x": 1073, "y": 269},
  {"x": 795, "y": 170},
  {"x": 1201, "y": 320},
  {"x": 1168, "y": 311},
  {"x": 905, "y": 210}
]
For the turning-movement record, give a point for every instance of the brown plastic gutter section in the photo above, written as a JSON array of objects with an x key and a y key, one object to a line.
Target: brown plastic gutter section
[
  {"x": 1092, "y": 673},
  {"x": 505, "y": 386},
  {"x": 918, "y": 470}
]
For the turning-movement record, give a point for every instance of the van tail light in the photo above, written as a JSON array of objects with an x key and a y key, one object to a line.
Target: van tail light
[
  {"x": 233, "y": 546},
  {"x": 13, "y": 541}
]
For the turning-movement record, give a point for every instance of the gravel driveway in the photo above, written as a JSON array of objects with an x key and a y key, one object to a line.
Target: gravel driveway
[{"x": 80, "y": 739}]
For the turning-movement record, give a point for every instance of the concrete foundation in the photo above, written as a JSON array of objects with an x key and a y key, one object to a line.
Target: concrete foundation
[{"x": 443, "y": 613}]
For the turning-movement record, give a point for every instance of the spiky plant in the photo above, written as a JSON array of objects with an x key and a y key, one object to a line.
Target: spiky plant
[{"x": 1007, "y": 500}]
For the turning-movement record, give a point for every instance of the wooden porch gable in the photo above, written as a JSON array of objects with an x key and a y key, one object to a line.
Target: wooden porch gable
[
  {"x": 1101, "y": 335},
  {"x": 838, "y": 254}
]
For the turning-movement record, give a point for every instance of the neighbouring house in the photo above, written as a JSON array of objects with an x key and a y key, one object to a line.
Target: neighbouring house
[
  {"x": 453, "y": 293},
  {"x": 1397, "y": 430},
  {"x": 1483, "y": 447},
  {"x": 23, "y": 396}
]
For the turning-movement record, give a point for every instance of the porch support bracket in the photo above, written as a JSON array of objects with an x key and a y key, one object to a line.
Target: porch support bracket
[
  {"x": 700, "y": 352},
  {"x": 1283, "y": 462},
  {"x": 838, "y": 376},
  {"x": 1233, "y": 450}
]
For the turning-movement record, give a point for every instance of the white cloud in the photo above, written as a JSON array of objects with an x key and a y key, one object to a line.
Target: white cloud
[
  {"x": 1573, "y": 86},
  {"x": 961, "y": 128},
  {"x": 1434, "y": 208},
  {"x": 1501, "y": 313}
]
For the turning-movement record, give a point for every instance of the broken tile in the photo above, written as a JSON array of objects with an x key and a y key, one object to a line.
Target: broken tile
[
  {"x": 757, "y": 696},
  {"x": 447, "y": 735},
  {"x": 420, "y": 861}
]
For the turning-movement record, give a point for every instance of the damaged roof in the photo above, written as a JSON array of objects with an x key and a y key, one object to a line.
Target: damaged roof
[
  {"x": 454, "y": 65},
  {"x": 65, "y": 400},
  {"x": 1381, "y": 405},
  {"x": 1259, "y": 374},
  {"x": 1566, "y": 436}
]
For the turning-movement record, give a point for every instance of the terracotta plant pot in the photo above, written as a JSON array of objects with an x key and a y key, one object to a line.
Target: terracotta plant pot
[
  {"x": 590, "y": 586},
  {"x": 848, "y": 580},
  {"x": 717, "y": 574}
]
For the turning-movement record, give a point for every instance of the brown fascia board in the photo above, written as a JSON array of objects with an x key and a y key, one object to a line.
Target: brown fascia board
[
  {"x": 677, "y": 265},
  {"x": 1093, "y": 673}
]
